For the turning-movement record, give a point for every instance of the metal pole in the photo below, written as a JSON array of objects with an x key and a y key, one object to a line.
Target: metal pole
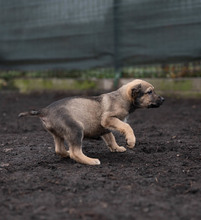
[{"x": 117, "y": 66}]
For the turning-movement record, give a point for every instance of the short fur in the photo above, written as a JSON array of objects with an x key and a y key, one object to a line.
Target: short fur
[{"x": 72, "y": 119}]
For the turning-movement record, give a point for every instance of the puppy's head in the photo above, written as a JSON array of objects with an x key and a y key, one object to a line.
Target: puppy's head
[{"x": 142, "y": 95}]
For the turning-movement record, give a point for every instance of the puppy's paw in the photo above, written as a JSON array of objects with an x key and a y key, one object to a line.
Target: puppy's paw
[
  {"x": 118, "y": 149},
  {"x": 81, "y": 158},
  {"x": 94, "y": 162},
  {"x": 63, "y": 153},
  {"x": 131, "y": 142},
  {"x": 121, "y": 149}
]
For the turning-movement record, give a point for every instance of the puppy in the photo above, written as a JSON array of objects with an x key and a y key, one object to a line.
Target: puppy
[{"x": 72, "y": 119}]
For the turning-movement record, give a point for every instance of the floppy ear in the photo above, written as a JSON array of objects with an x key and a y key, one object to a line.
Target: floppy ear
[{"x": 135, "y": 91}]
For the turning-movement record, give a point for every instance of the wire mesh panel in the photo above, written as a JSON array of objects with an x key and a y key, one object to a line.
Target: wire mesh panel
[
  {"x": 81, "y": 34},
  {"x": 159, "y": 31},
  {"x": 56, "y": 34}
]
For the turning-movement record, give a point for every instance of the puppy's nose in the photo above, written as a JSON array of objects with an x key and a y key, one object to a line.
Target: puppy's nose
[{"x": 162, "y": 99}]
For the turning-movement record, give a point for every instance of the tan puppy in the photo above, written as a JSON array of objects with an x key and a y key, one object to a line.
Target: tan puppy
[{"x": 72, "y": 119}]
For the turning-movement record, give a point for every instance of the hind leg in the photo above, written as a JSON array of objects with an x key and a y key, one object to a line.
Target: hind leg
[
  {"x": 59, "y": 146},
  {"x": 110, "y": 141},
  {"x": 77, "y": 155},
  {"x": 74, "y": 140}
]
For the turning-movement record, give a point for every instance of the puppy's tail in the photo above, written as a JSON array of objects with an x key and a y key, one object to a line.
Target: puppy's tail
[{"x": 30, "y": 113}]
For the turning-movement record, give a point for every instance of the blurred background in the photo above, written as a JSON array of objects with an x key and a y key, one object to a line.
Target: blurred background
[{"x": 94, "y": 44}]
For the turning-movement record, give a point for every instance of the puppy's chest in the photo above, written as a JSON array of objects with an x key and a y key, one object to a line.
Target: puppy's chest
[{"x": 123, "y": 116}]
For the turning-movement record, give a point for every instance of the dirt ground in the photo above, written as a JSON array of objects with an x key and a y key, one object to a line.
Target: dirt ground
[{"x": 159, "y": 179}]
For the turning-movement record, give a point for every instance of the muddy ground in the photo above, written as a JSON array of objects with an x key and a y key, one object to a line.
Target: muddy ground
[{"x": 159, "y": 179}]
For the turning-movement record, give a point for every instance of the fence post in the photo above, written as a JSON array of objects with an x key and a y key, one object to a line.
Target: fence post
[{"x": 117, "y": 66}]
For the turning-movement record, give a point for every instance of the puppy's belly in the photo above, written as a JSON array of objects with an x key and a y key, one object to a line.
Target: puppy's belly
[{"x": 95, "y": 132}]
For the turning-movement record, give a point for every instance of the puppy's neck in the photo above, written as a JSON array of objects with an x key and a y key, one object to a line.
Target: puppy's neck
[{"x": 123, "y": 92}]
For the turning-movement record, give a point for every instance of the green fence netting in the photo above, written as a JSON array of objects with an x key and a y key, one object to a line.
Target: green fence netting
[{"x": 81, "y": 34}]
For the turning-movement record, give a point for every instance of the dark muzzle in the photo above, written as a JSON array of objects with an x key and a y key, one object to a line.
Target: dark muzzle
[{"x": 158, "y": 102}]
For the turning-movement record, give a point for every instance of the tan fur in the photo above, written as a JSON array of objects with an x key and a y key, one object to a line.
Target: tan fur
[
  {"x": 72, "y": 119},
  {"x": 112, "y": 144}
]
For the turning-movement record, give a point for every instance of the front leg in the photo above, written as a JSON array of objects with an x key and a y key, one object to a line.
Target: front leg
[
  {"x": 110, "y": 141},
  {"x": 113, "y": 123}
]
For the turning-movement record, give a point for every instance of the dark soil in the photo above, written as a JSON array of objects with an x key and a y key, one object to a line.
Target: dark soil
[{"x": 159, "y": 179}]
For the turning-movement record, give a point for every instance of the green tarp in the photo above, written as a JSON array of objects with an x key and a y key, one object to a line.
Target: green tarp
[{"x": 80, "y": 34}]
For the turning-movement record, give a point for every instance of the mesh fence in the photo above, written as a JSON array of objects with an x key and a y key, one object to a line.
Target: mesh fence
[{"x": 82, "y": 34}]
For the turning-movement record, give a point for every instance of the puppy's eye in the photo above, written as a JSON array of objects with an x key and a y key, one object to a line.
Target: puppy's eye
[{"x": 150, "y": 92}]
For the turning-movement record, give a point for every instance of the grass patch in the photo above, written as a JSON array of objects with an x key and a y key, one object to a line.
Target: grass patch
[
  {"x": 190, "y": 69},
  {"x": 51, "y": 84}
]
